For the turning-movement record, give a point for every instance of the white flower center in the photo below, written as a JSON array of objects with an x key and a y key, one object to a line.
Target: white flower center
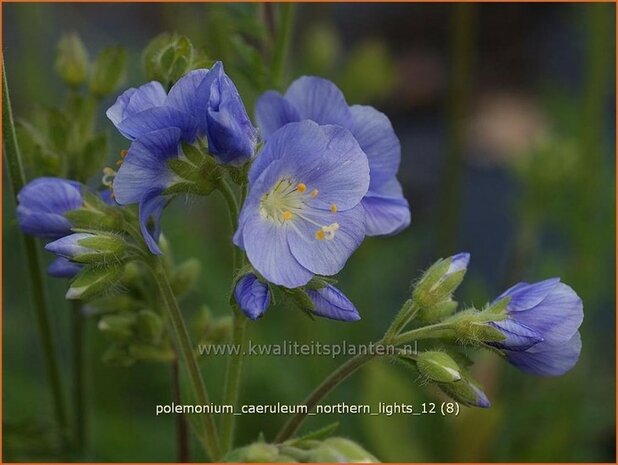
[{"x": 288, "y": 200}]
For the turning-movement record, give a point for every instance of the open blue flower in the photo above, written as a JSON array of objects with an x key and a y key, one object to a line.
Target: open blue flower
[
  {"x": 42, "y": 204},
  {"x": 203, "y": 103},
  {"x": 319, "y": 100},
  {"x": 302, "y": 215},
  {"x": 252, "y": 296},
  {"x": 330, "y": 302},
  {"x": 541, "y": 328},
  {"x": 143, "y": 177}
]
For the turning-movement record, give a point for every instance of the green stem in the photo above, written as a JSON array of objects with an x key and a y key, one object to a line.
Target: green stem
[
  {"x": 35, "y": 266},
  {"x": 78, "y": 391},
  {"x": 235, "y": 361},
  {"x": 426, "y": 332},
  {"x": 282, "y": 42},
  {"x": 319, "y": 393},
  {"x": 211, "y": 439},
  {"x": 462, "y": 43},
  {"x": 182, "y": 433}
]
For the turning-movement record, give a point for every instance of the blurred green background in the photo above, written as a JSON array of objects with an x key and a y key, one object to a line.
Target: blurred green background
[{"x": 506, "y": 118}]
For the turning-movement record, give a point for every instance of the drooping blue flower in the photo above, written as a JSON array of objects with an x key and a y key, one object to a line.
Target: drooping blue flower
[
  {"x": 42, "y": 204},
  {"x": 302, "y": 215},
  {"x": 143, "y": 177},
  {"x": 63, "y": 268},
  {"x": 330, "y": 302},
  {"x": 541, "y": 327},
  {"x": 203, "y": 103},
  {"x": 317, "y": 99},
  {"x": 252, "y": 296}
]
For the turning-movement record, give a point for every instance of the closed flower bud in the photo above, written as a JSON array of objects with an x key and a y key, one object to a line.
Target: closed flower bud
[
  {"x": 185, "y": 276},
  {"x": 330, "y": 302},
  {"x": 438, "y": 367},
  {"x": 466, "y": 392},
  {"x": 118, "y": 327},
  {"x": 94, "y": 280},
  {"x": 87, "y": 248},
  {"x": 254, "y": 453},
  {"x": 340, "y": 450},
  {"x": 149, "y": 326},
  {"x": 63, "y": 268},
  {"x": 440, "y": 281},
  {"x": 108, "y": 71},
  {"x": 252, "y": 296},
  {"x": 72, "y": 60}
]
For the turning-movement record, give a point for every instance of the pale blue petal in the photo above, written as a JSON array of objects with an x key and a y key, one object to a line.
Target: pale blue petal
[
  {"x": 273, "y": 111},
  {"x": 518, "y": 336},
  {"x": 63, "y": 268},
  {"x": 68, "y": 246},
  {"x": 548, "y": 359},
  {"x": 385, "y": 215},
  {"x": 525, "y": 296},
  {"x": 252, "y": 296},
  {"x": 326, "y": 257},
  {"x": 158, "y": 118},
  {"x": 330, "y": 302},
  {"x": 134, "y": 101},
  {"x": 319, "y": 100},
  {"x": 150, "y": 209}
]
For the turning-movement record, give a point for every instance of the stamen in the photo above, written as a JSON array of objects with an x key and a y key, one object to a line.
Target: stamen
[
  {"x": 320, "y": 235},
  {"x": 287, "y": 215},
  {"x": 327, "y": 232},
  {"x": 123, "y": 153},
  {"x": 301, "y": 187},
  {"x": 333, "y": 208},
  {"x": 314, "y": 193},
  {"x": 108, "y": 176}
]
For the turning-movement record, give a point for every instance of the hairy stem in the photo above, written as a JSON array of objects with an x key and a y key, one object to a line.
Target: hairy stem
[
  {"x": 319, "y": 393},
  {"x": 211, "y": 439},
  {"x": 34, "y": 260},
  {"x": 235, "y": 361},
  {"x": 78, "y": 390},
  {"x": 182, "y": 432}
]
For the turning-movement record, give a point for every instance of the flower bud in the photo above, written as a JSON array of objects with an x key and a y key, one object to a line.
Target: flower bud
[
  {"x": 94, "y": 280},
  {"x": 87, "y": 248},
  {"x": 439, "y": 282},
  {"x": 149, "y": 326},
  {"x": 252, "y": 296},
  {"x": 72, "y": 60},
  {"x": 466, "y": 392},
  {"x": 63, "y": 268},
  {"x": 340, "y": 450},
  {"x": 330, "y": 302},
  {"x": 185, "y": 275},
  {"x": 118, "y": 327},
  {"x": 108, "y": 71},
  {"x": 256, "y": 452},
  {"x": 438, "y": 367}
]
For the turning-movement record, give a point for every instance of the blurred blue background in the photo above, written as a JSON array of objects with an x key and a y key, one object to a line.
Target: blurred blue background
[{"x": 506, "y": 118}]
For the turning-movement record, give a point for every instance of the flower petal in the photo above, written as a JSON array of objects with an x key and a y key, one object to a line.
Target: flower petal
[
  {"x": 326, "y": 256},
  {"x": 158, "y": 118},
  {"x": 525, "y": 296},
  {"x": 330, "y": 302},
  {"x": 374, "y": 133},
  {"x": 273, "y": 111},
  {"x": 319, "y": 100},
  {"x": 268, "y": 251},
  {"x": 133, "y": 101},
  {"x": 150, "y": 209},
  {"x": 63, "y": 268},
  {"x": 190, "y": 97},
  {"x": 518, "y": 336},
  {"x": 385, "y": 215},
  {"x": 548, "y": 359},
  {"x": 252, "y": 296},
  {"x": 144, "y": 167},
  {"x": 68, "y": 246}
]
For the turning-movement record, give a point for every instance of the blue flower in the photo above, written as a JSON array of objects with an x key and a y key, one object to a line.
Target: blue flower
[
  {"x": 203, "y": 103},
  {"x": 252, "y": 295},
  {"x": 317, "y": 99},
  {"x": 42, "y": 204},
  {"x": 302, "y": 215},
  {"x": 541, "y": 327},
  {"x": 63, "y": 268},
  {"x": 143, "y": 177},
  {"x": 330, "y": 302}
]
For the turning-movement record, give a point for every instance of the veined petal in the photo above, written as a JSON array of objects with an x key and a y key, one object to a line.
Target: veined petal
[
  {"x": 158, "y": 118},
  {"x": 267, "y": 249},
  {"x": 145, "y": 167},
  {"x": 133, "y": 101},
  {"x": 252, "y": 296},
  {"x": 150, "y": 209},
  {"x": 385, "y": 215},
  {"x": 189, "y": 96},
  {"x": 375, "y": 134},
  {"x": 326, "y": 256},
  {"x": 47, "y": 225},
  {"x": 330, "y": 302},
  {"x": 518, "y": 336},
  {"x": 51, "y": 195},
  {"x": 68, "y": 246},
  {"x": 273, "y": 111},
  {"x": 63, "y": 268},
  {"x": 319, "y": 100},
  {"x": 548, "y": 359},
  {"x": 525, "y": 296}
]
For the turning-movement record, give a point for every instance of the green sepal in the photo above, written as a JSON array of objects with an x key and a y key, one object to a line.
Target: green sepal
[
  {"x": 184, "y": 169},
  {"x": 438, "y": 367},
  {"x": 149, "y": 326},
  {"x": 320, "y": 282},
  {"x": 72, "y": 60},
  {"x": 94, "y": 280},
  {"x": 185, "y": 276},
  {"x": 192, "y": 153},
  {"x": 118, "y": 327}
]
